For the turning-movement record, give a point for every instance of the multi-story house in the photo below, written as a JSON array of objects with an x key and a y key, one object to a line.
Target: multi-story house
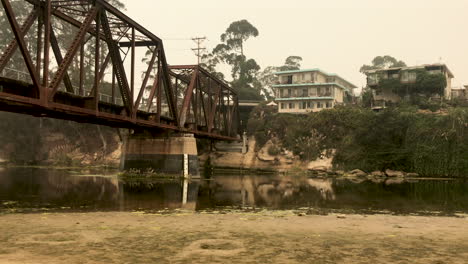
[
  {"x": 303, "y": 91},
  {"x": 406, "y": 75},
  {"x": 460, "y": 92}
]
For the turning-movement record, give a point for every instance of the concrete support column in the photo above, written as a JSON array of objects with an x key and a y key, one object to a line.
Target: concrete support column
[{"x": 174, "y": 154}]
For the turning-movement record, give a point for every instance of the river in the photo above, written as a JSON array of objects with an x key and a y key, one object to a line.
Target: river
[{"x": 39, "y": 190}]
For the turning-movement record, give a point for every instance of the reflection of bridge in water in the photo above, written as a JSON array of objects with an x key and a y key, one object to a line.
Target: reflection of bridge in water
[
  {"x": 81, "y": 64},
  {"x": 60, "y": 190}
]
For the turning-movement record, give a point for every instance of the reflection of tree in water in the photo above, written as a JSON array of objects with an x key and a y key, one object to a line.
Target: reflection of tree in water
[{"x": 406, "y": 196}]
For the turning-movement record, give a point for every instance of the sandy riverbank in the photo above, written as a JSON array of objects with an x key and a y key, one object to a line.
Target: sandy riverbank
[{"x": 265, "y": 237}]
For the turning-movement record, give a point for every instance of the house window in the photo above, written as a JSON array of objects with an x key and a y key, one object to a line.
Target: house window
[
  {"x": 290, "y": 79},
  {"x": 304, "y": 92},
  {"x": 283, "y": 106},
  {"x": 289, "y": 92},
  {"x": 408, "y": 76},
  {"x": 310, "y": 105},
  {"x": 373, "y": 79},
  {"x": 292, "y": 105},
  {"x": 304, "y": 105},
  {"x": 319, "y": 91},
  {"x": 412, "y": 76},
  {"x": 313, "y": 92},
  {"x": 329, "y": 105},
  {"x": 319, "y": 105}
]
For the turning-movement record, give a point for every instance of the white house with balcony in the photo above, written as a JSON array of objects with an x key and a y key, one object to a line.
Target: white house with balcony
[{"x": 311, "y": 90}]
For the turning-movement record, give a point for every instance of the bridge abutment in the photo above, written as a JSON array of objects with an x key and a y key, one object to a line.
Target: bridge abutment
[{"x": 173, "y": 154}]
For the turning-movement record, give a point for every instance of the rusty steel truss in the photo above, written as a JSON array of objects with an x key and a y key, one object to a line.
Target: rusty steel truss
[{"x": 81, "y": 63}]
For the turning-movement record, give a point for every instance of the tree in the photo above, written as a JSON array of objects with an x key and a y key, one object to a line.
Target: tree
[
  {"x": 291, "y": 63},
  {"x": 244, "y": 71},
  {"x": 383, "y": 62},
  {"x": 237, "y": 33},
  {"x": 367, "y": 97},
  {"x": 430, "y": 84}
]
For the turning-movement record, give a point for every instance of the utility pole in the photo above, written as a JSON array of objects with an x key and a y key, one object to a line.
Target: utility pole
[{"x": 198, "y": 50}]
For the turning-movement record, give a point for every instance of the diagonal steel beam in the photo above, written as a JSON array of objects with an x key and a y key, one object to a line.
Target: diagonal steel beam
[
  {"x": 154, "y": 88},
  {"x": 22, "y": 44},
  {"x": 167, "y": 84},
  {"x": 145, "y": 80},
  {"x": 187, "y": 99},
  {"x": 213, "y": 108},
  {"x": 13, "y": 45},
  {"x": 58, "y": 56},
  {"x": 54, "y": 84},
  {"x": 117, "y": 64}
]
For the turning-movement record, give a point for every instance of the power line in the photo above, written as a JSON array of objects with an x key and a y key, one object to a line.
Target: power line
[{"x": 199, "y": 41}]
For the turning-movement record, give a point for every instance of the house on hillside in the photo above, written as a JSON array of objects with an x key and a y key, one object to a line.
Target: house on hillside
[
  {"x": 460, "y": 92},
  {"x": 303, "y": 91},
  {"x": 404, "y": 75}
]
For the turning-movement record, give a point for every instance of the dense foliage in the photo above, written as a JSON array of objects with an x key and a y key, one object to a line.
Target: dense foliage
[
  {"x": 383, "y": 62},
  {"x": 399, "y": 139},
  {"x": 426, "y": 85}
]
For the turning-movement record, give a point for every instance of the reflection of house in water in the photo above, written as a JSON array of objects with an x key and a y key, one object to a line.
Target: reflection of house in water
[{"x": 271, "y": 191}]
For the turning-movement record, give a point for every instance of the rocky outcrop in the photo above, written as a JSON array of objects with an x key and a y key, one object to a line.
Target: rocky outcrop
[
  {"x": 377, "y": 174},
  {"x": 392, "y": 173},
  {"x": 321, "y": 164},
  {"x": 357, "y": 173},
  {"x": 255, "y": 160}
]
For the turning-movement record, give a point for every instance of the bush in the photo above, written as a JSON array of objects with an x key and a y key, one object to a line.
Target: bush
[
  {"x": 398, "y": 139},
  {"x": 274, "y": 150}
]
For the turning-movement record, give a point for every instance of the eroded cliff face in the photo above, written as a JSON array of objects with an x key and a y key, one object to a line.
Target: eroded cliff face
[
  {"x": 26, "y": 140},
  {"x": 255, "y": 159}
]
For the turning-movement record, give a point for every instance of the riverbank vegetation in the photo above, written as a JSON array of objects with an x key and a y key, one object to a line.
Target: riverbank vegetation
[{"x": 405, "y": 139}]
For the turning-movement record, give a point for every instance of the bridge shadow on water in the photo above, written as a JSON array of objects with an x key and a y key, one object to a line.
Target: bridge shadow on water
[{"x": 39, "y": 190}]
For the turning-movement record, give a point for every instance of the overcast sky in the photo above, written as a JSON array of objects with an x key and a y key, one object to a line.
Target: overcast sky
[{"x": 337, "y": 36}]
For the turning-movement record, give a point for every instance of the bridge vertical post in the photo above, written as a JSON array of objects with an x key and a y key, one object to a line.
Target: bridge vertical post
[
  {"x": 44, "y": 95},
  {"x": 169, "y": 154}
]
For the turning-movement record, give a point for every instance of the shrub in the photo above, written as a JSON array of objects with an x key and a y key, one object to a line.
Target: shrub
[{"x": 273, "y": 150}]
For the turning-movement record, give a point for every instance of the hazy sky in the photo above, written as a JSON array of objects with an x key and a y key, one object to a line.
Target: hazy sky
[{"x": 337, "y": 36}]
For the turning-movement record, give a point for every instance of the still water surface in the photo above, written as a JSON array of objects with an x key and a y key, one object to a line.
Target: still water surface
[{"x": 31, "y": 190}]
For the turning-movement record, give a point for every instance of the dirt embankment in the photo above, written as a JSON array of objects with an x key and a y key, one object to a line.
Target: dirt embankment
[
  {"x": 237, "y": 237},
  {"x": 28, "y": 140}
]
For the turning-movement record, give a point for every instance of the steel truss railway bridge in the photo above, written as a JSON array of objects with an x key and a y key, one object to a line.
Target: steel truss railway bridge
[{"x": 76, "y": 51}]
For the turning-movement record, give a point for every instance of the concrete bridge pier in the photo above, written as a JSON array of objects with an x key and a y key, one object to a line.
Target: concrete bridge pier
[{"x": 172, "y": 154}]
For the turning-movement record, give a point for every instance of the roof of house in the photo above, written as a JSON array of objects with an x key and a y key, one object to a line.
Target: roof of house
[
  {"x": 315, "y": 70},
  {"x": 413, "y": 68}
]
